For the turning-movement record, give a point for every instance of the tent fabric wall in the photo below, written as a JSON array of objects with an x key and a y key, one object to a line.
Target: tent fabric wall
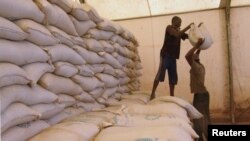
[
  {"x": 150, "y": 34},
  {"x": 118, "y": 9},
  {"x": 240, "y": 55}
]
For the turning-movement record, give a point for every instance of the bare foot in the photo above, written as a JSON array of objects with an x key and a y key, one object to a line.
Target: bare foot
[{"x": 152, "y": 96}]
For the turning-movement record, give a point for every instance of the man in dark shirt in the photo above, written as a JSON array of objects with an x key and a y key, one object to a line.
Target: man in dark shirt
[{"x": 169, "y": 53}]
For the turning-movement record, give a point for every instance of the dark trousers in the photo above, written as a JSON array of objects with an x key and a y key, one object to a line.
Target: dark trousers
[{"x": 201, "y": 103}]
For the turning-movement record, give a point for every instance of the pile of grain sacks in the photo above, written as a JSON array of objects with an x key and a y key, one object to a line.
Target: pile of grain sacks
[
  {"x": 59, "y": 58},
  {"x": 165, "y": 118}
]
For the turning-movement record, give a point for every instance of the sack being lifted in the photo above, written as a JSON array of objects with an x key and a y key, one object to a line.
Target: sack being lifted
[{"x": 197, "y": 32}]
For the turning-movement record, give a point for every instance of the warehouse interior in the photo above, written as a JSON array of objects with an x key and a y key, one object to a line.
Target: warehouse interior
[
  {"x": 227, "y": 76},
  {"x": 85, "y": 69}
]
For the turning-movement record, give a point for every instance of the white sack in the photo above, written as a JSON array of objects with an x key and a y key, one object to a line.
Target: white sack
[
  {"x": 79, "y": 12},
  {"x": 107, "y": 102},
  {"x": 93, "y": 118},
  {"x": 92, "y": 13},
  {"x": 111, "y": 100},
  {"x": 88, "y": 131},
  {"x": 66, "y": 5},
  {"x": 118, "y": 39},
  {"x": 109, "y": 70},
  {"x": 37, "y": 33},
  {"x": 66, "y": 113},
  {"x": 160, "y": 133},
  {"x": 123, "y": 89},
  {"x": 58, "y": 84},
  {"x": 82, "y": 27},
  {"x": 25, "y": 94},
  {"x": 21, "y": 53},
  {"x": 142, "y": 97},
  {"x": 191, "y": 110},
  {"x": 114, "y": 110},
  {"x": 99, "y": 34},
  {"x": 124, "y": 80},
  {"x": 124, "y": 51},
  {"x": 96, "y": 93},
  {"x": 93, "y": 45},
  {"x": 101, "y": 100},
  {"x": 137, "y": 73},
  {"x": 158, "y": 108},
  {"x": 90, "y": 56},
  {"x": 84, "y": 70},
  {"x": 66, "y": 100},
  {"x": 152, "y": 121},
  {"x": 208, "y": 38},
  {"x": 195, "y": 33},
  {"x": 109, "y": 92},
  {"x": 132, "y": 65},
  {"x": 138, "y": 65},
  {"x": 36, "y": 70},
  {"x": 10, "y": 31},
  {"x": 134, "y": 73},
  {"x": 107, "y": 46},
  {"x": 60, "y": 35},
  {"x": 77, "y": 40},
  {"x": 115, "y": 54},
  {"x": 62, "y": 52},
  {"x": 65, "y": 69},
  {"x": 120, "y": 73},
  {"x": 105, "y": 113},
  {"x": 90, "y": 106},
  {"x": 57, "y": 17},
  {"x": 87, "y": 83},
  {"x": 108, "y": 80},
  {"x": 111, "y": 60},
  {"x": 52, "y": 134},
  {"x": 47, "y": 110},
  {"x": 129, "y": 73},
  {"x": 25, "y": 131},
  {"x": 128, "y": 35},
  {"x": 17, "y": 113},
  {"x": 134, "y": 85},
  {"x": 96, "y": 68},
  {"x": 127, "y": 102},
  {"x": 108, "y": 25},
  {"x": 117, "y": 96},
  {"x": 20, "y": 9},
  {"x": 122, "y": 60},
  {"x": 11, "y": 74},
  {"x": 131, "y": 46},
  {"x": 85, "y": 97}
]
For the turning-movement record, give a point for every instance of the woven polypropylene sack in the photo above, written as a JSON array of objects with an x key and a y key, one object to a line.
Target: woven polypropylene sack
[
  {"x": 201, "y": 32},
  {"x": 10, "y": 31},
  {"x": 208, "y": 38}
]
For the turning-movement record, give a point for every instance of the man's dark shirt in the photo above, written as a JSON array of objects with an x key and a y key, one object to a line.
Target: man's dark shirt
[{"x": 172, "y": 42}]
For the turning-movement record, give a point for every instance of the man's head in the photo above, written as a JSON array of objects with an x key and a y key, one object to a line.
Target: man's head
[{"x": 176, "y": 21}]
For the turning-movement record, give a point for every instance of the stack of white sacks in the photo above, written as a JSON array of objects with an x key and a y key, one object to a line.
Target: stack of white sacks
[
  {"x": 165, "y": 118},
  {"x": 59, "y": 58}
]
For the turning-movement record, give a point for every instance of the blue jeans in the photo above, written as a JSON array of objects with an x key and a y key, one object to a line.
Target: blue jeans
[{"x": 167, "y": 63}]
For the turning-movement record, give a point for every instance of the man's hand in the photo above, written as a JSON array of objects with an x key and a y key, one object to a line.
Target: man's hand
[
  {"x": 191, "y": 24},
  {"x": 200, "y": 42},
  {"x": 200, "y": 24}
]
